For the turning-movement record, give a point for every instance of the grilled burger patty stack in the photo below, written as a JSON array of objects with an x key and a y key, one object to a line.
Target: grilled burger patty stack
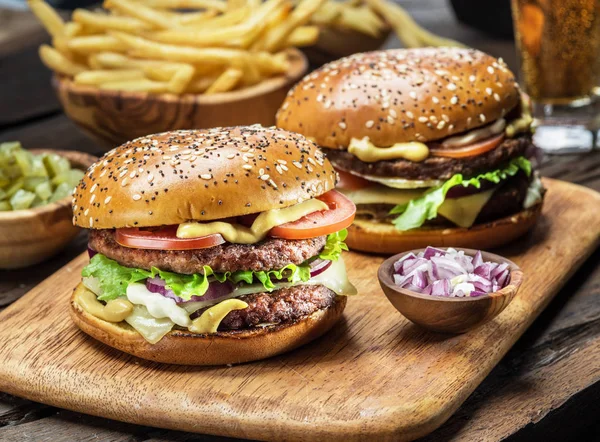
[
  {"x": 212, "y": 247},
  {"x": 431, "y": 144}
]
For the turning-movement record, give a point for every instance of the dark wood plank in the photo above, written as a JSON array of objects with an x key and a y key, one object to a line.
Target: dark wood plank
[{"x": 555, "y": 348}]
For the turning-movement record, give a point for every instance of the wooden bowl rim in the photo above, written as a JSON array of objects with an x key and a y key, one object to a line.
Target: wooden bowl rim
[
  {"x": 298, "y": 67},
  {"x": 23, "y": 214},
  {"x": 516, "y": 277}
]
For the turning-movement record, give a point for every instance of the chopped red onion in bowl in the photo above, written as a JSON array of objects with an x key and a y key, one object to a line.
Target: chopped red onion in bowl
[{"x": 449, "y": 273}]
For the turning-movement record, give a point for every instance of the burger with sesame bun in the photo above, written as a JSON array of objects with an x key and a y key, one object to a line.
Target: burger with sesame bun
[
  {"x": 212, "y": 246},
  {"x": 431, "y": 144}
]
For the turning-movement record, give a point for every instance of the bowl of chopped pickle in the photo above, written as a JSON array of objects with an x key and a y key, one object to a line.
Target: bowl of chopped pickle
[{"x": 35, "y": 202}]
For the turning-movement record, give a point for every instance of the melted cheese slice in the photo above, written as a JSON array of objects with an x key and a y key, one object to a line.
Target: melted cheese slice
[
  {"x": 157, "y": 305},
  {"x": 151, "y": 328},
  {"x": 236, "y": 233},
  {"x": 154, "y": 315},
  {"x": 461, "y": 211}
]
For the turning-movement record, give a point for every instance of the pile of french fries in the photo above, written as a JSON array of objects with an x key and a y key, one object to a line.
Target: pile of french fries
[
  {"x": 203, "y": 46},
  {"x": 176, "y": 46},
  {"x": 187, "y": 46}
]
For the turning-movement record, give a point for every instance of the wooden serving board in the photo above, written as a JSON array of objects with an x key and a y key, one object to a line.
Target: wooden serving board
[{"x": 375, "y": 376}]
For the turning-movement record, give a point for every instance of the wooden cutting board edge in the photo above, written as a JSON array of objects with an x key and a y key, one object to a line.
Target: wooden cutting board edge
[{"x": 389, "y": 428}]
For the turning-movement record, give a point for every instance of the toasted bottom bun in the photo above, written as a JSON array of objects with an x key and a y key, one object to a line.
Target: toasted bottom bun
[
  {"x": 186, "y": 348},
  {"x": 379, "y": 237}
]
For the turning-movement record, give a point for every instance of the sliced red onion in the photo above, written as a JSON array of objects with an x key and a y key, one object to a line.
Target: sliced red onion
[
  {"x": 430, "y": 252},
  {"x": 439, "y": 272},
  {"x": 318, "y": 266},
  {"x": 91, "y": 252},
  {"x": 215, "y": 290}
]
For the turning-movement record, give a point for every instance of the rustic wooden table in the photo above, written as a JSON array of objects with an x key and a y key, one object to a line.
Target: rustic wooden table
[{"x": 546, "y": 388}]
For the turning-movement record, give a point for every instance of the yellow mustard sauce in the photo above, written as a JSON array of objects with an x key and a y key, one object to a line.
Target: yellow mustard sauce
[
  {"x": 115, "y": 310},
  {"x": 236, "y": 233},
  {"x": 209, "y": 321},
  {"x": 366, "y": 151}
]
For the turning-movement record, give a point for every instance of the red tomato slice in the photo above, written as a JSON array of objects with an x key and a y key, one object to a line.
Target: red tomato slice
[
  {"x": 164, "y": 239},
  {"x": 351, "y": 182},
  {"x": 471, "y": 150},
  {"x": 339, "y": 216}
]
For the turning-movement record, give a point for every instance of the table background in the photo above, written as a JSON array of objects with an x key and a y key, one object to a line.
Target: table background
[{"x": 546, "y": 388}]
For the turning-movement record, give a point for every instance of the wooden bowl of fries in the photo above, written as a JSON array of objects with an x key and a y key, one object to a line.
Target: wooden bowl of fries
[
  {"x": 114, "y": 117},
  {"x": 136, "y": 68}
]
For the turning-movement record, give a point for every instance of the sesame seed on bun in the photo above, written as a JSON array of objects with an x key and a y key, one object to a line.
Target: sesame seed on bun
[
  {"x": 398, "y": 96},
  {"x": 202, "y": 175}
]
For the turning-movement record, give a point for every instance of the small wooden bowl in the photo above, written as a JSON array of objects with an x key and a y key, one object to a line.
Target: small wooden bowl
[
  {"x": 445, "y": 314},
  {"x": 30, "y": 236},
  {"x": 114, "y": 117},
  {"x": 335, "y": 43}
]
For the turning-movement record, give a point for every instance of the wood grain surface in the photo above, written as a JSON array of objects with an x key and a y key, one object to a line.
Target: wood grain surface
[
  {"x": 376, "y": 375},
  {"x": 547, "y": 387}
]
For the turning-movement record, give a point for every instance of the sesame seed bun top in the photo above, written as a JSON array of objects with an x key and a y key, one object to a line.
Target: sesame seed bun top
[
  {"x": 202, "y": 175},
  {"x": 398, "y": 96}
]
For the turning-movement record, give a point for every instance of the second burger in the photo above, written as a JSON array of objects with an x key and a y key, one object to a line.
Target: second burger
[{"x": 432, "y": 146}]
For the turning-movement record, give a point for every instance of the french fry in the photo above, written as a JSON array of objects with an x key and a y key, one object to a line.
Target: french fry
[
  {"x": 235, "y": 4},
  {"x": 226, "y": 81},
  {"x": 186, "y": 54},
  {"x": 219, "y": 5},
  {"x": 194, "y": 18},
  {"x": 102, "y": 76},
  {"x": 303, "y": 36},
  {"x": 240, "y": 35},
  {"x": 360, "y": 19},
  {"x": 141, "y": 12},
  {"x": 327, "y": 13},
  {"x": 200, "y": 85},
  {"x": 137, "y": 86},
  {"x": 104, "y": 21},
  {"x": 229, "y": 18},
  {"x": 72, "y": 29},
  {"x": 300, "y": 16},
  {"x": 153, "y": 46},
  {"x": 250, "y": 70},
  {"x": 408, "y": 31},
  {"x": 271, "y": 64},
  {"x": 96, "y": 43},
  {"x": 49, "y": 18},
  {"x": 60, "y": 44},
  {"x": 58, "y": 62},
  {"x": 181, "y": 79}
]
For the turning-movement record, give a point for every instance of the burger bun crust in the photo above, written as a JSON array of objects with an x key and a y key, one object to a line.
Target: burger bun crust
[
  {"x": 383, "y": 238},
  {"x": 401, "y": 95},
  {"x": 200, "y": 175},
  {"x": 186, "y": 348}
]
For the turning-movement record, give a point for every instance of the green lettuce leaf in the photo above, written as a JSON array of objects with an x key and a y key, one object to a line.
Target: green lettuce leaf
[
  {"x": 417, "y": 211},
  {"x": 114, "y": 278},
  {"x": 334, "y": 245}
]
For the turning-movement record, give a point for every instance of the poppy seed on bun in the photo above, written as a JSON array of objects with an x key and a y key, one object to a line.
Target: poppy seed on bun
[
  {"x": 398, "y": 96},
  {"x": 201, "y": 175}
]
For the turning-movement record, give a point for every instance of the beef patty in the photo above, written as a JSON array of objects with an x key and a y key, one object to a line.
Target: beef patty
[
  {"x": 283, "y": 305},
  {"x": 433, "y": 168},
  {"x": 506, "y": 200},
  {"x": 272, "y": 253}
]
